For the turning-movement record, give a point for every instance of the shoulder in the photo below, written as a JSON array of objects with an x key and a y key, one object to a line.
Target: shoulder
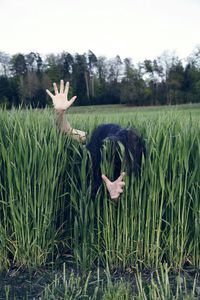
[
  {"x": 102, "y": 132},
  {"x": 108, "y": 128}
]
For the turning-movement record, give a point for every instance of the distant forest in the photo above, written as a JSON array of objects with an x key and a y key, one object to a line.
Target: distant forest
[{"x": 98, "y": 80}]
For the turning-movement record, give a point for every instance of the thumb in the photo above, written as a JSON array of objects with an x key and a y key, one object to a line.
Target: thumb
[
  {"x": 49, "y": 93},
  {"x": 71, "y": 101},
  {"x": 120, "y": 178},
  {"x": 105, "y": 179}
]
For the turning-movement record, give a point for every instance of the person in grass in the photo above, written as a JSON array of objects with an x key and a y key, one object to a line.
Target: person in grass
[{"x": 133, "y": 145}]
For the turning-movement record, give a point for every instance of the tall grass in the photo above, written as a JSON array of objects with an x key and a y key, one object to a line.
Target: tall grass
[{"x": 46, "y": 207}]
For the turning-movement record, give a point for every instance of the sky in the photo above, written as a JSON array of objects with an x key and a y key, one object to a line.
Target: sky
[{"x": 139, "y": 29}]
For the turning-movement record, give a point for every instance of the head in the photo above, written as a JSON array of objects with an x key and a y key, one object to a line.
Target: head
[
  {"x": 133, "y": 147},
  {"x": 125, "y": 147}
]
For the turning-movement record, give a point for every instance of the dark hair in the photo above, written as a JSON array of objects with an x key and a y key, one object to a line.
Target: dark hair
[{"x": 134, "y": 149}]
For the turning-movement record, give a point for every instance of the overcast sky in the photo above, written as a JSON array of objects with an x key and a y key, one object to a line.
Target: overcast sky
[{"x": 131, "y": 28}]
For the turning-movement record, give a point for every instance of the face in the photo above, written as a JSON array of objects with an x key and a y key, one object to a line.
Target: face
[{"x": 113, "y": 159}]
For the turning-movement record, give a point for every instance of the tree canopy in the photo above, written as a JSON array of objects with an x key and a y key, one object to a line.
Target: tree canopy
[{"x": 98, "y": 80}]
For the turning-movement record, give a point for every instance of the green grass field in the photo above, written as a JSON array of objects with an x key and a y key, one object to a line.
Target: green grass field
[{"x": 49, "y": 218}]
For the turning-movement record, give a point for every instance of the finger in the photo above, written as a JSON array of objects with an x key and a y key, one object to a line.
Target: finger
[
  {"x": 49, "y": 93},
  {"x": 66, "y": 88},
  {"x": 105, "y": 179},
  {"x": 61, "y": 86},
  {"x": 119, "y": 190},
  {"x": 122, "y": 183},
  {"x": 120, "y": 178},
  {"x": 55, "y": 88},
  {"x": 71, "y": 101}
]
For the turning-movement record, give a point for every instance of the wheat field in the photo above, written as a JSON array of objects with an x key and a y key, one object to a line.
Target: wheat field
[{"x": 48, "y": 214}]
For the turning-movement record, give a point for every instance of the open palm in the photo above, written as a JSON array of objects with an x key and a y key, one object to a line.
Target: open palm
[
  {"x": 60, "y": 99},
  {"x": 115, "y": 188}
]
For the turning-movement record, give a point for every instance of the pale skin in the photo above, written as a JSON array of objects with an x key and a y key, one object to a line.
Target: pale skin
[{"x": 62, "y": 104}]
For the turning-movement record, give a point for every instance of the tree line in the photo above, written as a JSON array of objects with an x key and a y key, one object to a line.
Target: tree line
[{"x": 98, "y": 80}]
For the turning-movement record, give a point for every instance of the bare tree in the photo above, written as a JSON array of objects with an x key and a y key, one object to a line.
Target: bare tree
[{"x": 4, "y": 63}]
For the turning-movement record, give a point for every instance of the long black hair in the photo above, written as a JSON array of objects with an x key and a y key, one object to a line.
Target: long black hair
[{"x": 134, "y": 149}]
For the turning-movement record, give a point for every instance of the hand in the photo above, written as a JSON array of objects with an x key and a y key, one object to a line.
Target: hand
[
  {"x": 60, "y": 101},
  {"x": 115, "y": 188}
]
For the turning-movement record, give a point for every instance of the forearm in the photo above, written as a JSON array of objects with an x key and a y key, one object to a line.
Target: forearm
[
  {"x": 63, "y": 123},
  {"x": 65, "y": 127}
]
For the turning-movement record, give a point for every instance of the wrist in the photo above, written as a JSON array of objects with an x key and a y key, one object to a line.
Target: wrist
[{"x": 59, "y": 110}]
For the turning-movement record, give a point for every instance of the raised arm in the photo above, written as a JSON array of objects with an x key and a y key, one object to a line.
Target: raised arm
[{"x": 61, "y": 104}]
